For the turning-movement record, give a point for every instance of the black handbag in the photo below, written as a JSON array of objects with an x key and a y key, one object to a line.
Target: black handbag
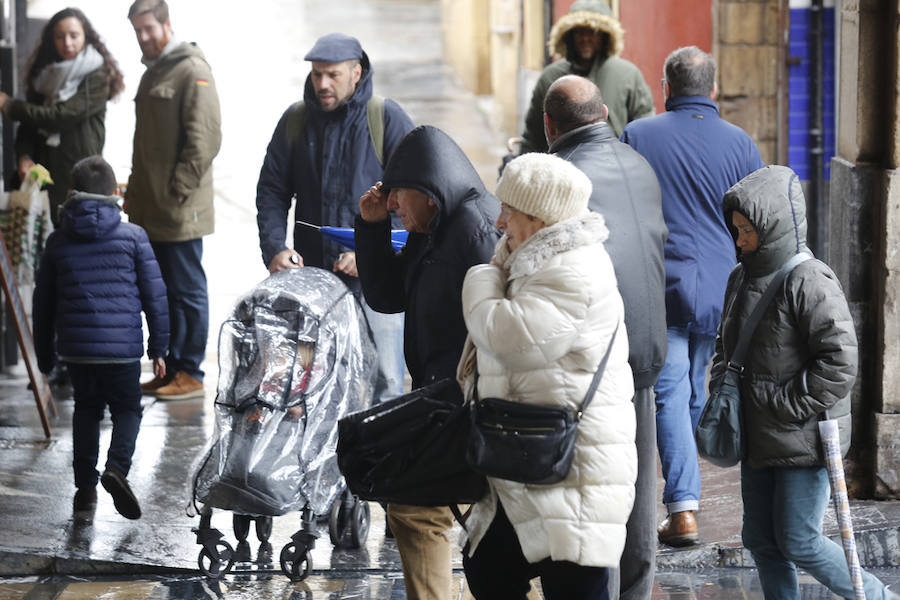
[
  {"x": 527, "y": 443},
  {"x": 411, "y": 449},
  {"x": 719, "y": 433}
]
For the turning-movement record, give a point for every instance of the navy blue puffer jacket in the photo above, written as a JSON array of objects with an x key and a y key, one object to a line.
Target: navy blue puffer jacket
[{"x": 97, "y": 274}]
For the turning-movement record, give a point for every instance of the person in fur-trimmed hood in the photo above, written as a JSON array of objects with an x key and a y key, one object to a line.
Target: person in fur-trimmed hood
[
  {"x": 590, "y": 41},
  {"x": 540, "y": 317}
]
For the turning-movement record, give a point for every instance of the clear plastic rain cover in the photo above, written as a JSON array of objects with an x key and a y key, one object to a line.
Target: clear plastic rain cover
[{"x": 295, "y": 356}]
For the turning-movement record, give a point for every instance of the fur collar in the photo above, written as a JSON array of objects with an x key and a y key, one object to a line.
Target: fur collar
[
  {"x": 556, "y": 41},
  {"x": 546, "y": 243}
]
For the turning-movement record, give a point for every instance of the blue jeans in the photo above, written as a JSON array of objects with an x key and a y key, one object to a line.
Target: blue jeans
[
  {"x": 680, "y": 397},
  {"x": 783, "y": 511},
  {"x": 387, "y": 331},
  {"x": 182, "y": 271},
  {"x": 96, "y": 386}
]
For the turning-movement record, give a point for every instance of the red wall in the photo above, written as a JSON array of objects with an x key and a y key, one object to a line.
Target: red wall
[{"x": 653, "y": 28}]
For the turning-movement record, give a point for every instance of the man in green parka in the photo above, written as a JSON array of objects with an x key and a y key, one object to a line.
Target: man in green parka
[
  {"x": 170, "y": 191},
  {"x": 590, "y": 39}
]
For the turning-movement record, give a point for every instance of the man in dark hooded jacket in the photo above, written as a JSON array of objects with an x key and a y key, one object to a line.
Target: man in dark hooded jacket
[
  {"x": 431, "y": 185},
  {"x": 627, "y": 194},
  {"x": 590, "y": 40},
  {"x": 325, "y": 152}
]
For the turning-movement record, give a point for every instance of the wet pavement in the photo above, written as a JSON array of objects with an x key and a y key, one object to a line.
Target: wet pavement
[
  {"x": 718, "y": 584},
  {"x": 257, "y": 62},
  {"x": 38, "y": 535}
]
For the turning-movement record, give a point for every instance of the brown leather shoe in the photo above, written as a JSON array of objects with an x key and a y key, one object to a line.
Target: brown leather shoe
[
  {"x": 149, "y": 387},
  {"x": 678, "y": 529},
  {"x": 183, "y": 386}
]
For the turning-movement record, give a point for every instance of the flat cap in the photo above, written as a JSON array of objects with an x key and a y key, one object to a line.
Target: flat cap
[{"x": 335, "y": 47}]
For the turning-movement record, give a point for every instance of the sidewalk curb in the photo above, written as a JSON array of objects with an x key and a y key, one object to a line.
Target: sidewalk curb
[
  {"x": 877, "y": 548},
  {"x": 17, "y": 562}
]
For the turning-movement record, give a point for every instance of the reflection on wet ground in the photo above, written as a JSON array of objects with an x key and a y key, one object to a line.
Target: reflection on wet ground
[{"x": 714, "y": 584}]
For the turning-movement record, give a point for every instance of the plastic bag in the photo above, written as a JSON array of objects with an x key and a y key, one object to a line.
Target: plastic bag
[{"x": 27, "y": 224}]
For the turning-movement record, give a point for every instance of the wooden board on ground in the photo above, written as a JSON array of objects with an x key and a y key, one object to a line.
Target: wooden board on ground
[{"x": 39, "y": 385}]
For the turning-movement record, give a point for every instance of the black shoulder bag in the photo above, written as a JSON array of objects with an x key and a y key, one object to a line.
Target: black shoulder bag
[
  {"x": 522, "y": 442},
  {"x": 411, "y": 449},
  {"x": 719, "y": 430}
]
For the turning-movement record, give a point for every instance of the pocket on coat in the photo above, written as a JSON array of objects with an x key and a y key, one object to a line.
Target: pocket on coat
[{"x": 163, "y": 91}]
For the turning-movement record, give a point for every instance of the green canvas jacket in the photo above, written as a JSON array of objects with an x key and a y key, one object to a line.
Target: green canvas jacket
[
  {"x": 624, "y": 90},
  {"x": 177, "y": 134}
]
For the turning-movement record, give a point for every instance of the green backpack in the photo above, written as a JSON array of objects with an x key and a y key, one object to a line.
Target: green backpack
[{"x": 374, "y": 116}]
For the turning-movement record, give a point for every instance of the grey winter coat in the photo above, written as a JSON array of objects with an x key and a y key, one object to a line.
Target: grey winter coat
[
  {"x": 802, "y": 358},
  {"x": 627, "y": 194}
]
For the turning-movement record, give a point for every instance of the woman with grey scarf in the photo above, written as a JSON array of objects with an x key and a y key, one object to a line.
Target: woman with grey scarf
[{"x": 70, "y": 77}]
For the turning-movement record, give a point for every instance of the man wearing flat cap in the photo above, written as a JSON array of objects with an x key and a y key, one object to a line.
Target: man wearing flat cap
[{"x": 326, "y": 151}]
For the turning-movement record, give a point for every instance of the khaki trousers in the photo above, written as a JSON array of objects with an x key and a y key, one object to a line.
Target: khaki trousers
[{"x": 421, "y": 535}]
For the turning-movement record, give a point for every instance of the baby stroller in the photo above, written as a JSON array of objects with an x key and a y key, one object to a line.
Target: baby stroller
[{"x": 295, "y": 356}]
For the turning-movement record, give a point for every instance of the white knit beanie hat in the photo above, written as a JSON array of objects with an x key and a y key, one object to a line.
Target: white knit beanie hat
[{"x": 544, "y": 186}]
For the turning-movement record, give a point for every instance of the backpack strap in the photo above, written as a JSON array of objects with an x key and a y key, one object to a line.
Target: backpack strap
[
  {"x": 296, "y": 122},
  {"x": 374, "y": 118}
]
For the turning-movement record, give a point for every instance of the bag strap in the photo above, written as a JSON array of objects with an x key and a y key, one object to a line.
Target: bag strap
[
  {"x": 598, "y": 375},
  {"x": 740, "y": 350},
  {"x": 592, "y": 389},
  {"x": 374, "y": 118},
  {"x": 460, "y": 518}
]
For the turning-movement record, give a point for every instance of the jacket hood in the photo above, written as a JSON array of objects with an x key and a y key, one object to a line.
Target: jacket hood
[
  {"x": 595, "y": 14},
  {"x": 772, "y": 200},
  {"x": 356, "y": 102},
  {"x": 89, "y": 216},
  {"x": 429, "y": 161},
  {"x": 180, "y": 52}
]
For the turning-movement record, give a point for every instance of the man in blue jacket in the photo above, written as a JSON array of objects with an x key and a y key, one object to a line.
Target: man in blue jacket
[
  {"x": 697, "y": 157},
  {"x": 326, "y": 151}
]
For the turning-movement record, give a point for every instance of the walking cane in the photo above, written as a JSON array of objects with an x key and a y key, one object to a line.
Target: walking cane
[{"x": 831, "y": 444}]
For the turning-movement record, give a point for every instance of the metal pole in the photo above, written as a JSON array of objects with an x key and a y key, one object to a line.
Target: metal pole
[{"x": 816, "y": 201}]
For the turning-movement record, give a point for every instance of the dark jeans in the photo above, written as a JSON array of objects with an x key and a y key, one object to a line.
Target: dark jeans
[
  {"x": 185, "y": 281},
  {"x": 499, "y": 571},
  {"x": 95, "y": 387},
  {"x": 634, "y": 578}
]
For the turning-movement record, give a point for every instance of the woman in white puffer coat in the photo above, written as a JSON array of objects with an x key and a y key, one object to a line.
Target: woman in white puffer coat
[{"x": 540, "y": 318}]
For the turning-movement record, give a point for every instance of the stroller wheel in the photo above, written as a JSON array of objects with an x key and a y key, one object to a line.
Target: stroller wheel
[
  {"x": 216, "y": 566},
  {"x": 359, "y": 523},
  {"x": 337, "y": 522},
  {"x": 296, "y": 562}
]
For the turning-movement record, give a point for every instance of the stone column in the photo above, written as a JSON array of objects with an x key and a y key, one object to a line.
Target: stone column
[
  {"x": 865, "y": 234},
  {"x": 747, "y": 50}
]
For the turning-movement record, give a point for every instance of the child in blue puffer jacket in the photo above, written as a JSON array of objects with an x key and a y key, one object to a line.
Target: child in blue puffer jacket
[{"x": 96, "y": 276}]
